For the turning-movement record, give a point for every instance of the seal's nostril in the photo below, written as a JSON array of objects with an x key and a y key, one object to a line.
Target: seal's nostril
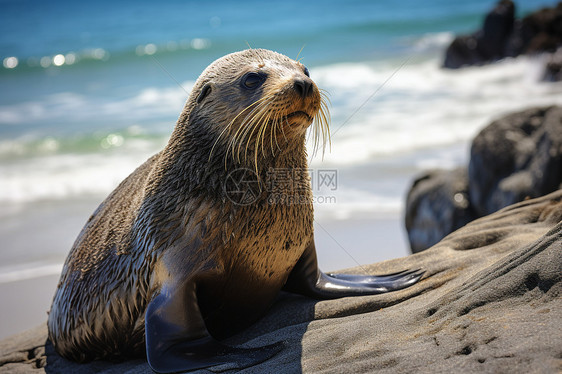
[
  {"x": 299, "y": 87},
  {"x": 303, "y": 87}
]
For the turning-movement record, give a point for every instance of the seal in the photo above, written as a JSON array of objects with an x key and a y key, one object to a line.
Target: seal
[{"x": 173, "y": 260}]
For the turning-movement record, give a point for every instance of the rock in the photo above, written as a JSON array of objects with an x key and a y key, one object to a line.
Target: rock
[
  {"x": 540, "y": 31},
  {"x": 485, "y": 45},
  {"x": 462, "y": 52},
  {"x": 496, "y": 30},
  {"x": 489, "y": 302},
  {"x": 503, "y": 36},
  {"x": 437, "y": 204},
  {"x": 516, "y": 157}
]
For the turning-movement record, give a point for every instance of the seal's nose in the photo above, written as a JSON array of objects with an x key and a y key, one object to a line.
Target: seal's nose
[{"x": 303, "y": 87}]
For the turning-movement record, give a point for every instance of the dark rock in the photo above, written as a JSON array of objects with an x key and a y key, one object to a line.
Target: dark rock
[
  {"x": 502, "y": 36},
  {"x": 516, "y": 157},
  {"x": 540, "y": 31},
  {"x": 437, "y": 204},
  {"x": 485, "y": 45},
  {"x": 462, "y": 52},
  {"x": 496, "y": 30},
  {"x": 489, "y": 302}
]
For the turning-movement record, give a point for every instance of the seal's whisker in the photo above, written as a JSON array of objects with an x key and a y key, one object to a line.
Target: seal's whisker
[
  {"x": 313, "y": 134},
  {"x": 228, "y": 127},
  {"x": 263, "y": 130},
  {"x": 325, "y": 95},
  {"x": 261, "y": 126},
  {"x": 325, "y": 125},
  {"x": 216, "y": 142},
  {"x": 273, "y": 133},
  {"x": 322, "y": 126},
  {"x": 252, "y": 116},
  {"x": 237, "y": 140},
  {"x": 269, "y": 125},
  {"x": 251, "y": 121},
  {"x": 277, "y": 125},
  {"x": 242, "y": 111},
  {"x": 321, "y": 130},
  {"x": 310, "y": 135},
  {"x": 298, "y": 54},
  {"x": 327, "y": 120},
  {"x": 251, "y": 128},
  {"x": 248, "y": 116},
  {"x": 316, "y": 136},
  {"x": 244, "y": 127},
  {"x": 283, "y": 130}
]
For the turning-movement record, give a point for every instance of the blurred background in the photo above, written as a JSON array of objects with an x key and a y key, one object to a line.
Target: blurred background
[{"x": 90, "y": 90}]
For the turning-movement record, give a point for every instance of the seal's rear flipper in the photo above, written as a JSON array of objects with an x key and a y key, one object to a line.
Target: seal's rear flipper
[
  {"x": 178, "y": 341},
  {"x": 308, "y": 280}
]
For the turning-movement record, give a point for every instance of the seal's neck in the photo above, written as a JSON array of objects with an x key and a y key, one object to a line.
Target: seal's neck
[{"x": 195, "y": 160}]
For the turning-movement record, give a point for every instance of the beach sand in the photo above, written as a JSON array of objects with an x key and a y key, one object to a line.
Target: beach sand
[
  {"x": 340, "y": 244},
  {"x": 349, "y": 243},
  {"x": 25, "y": 303}
]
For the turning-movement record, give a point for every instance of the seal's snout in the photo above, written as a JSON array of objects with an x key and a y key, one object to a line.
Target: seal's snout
[{"x": 303, "y": 87}]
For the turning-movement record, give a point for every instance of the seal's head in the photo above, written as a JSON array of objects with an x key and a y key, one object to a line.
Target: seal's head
[{"x": 256, "y": 101}]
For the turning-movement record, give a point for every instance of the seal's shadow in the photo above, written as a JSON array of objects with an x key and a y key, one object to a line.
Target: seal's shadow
[
  {"x": 286, "y": 321},
  {"x": 56, "y": 364}
]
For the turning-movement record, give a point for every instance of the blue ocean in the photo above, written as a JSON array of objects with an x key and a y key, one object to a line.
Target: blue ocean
[{"x": 89, "y": 90}]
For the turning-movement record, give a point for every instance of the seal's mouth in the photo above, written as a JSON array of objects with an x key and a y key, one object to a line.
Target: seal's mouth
[{"x": 299, "y": 116}]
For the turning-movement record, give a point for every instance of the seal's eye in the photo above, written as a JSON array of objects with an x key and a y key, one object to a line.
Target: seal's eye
[
  {"x": 253, "y": 80},
  {"x": 306, "y": 72}
]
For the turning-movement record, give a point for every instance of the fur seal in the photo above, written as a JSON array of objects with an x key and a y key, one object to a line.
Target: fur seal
[{"x": 170, "y": 262}]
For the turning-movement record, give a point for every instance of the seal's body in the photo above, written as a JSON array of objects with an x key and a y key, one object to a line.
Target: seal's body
[{"x": 191, "y": 248}]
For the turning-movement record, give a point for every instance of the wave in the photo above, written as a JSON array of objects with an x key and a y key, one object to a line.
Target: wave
[
  {"x": 69, "y": 108},
  {"x": 431, "y": 42},
  {"x": 28, "y": 271},
  {"x": 63, "y": 175},
  {"x": 388, "y": 108}
]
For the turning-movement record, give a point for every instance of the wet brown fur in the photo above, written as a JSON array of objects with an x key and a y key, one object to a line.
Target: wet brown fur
[{"x": 174, "y": 206}]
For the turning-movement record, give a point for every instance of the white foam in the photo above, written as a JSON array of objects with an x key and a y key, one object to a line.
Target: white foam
[
  {"x": 59, "y": 176},
  {"x": 28, "y": 271},
  {"x": 423, "y": 106},
  {"x": 433, "y": 41},
  {"x": 70, "y": 107}
]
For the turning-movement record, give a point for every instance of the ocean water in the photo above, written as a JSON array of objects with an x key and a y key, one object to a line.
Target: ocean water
[{"x": 89, "y": 90}]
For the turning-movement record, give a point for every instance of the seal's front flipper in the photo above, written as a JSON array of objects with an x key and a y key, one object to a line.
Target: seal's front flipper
[
  {"x": 178, "y": 341},
  {"x": 308, "y": 280},
  {"x": 369, "y": 284},
  {"x": 385, "y": 283}
]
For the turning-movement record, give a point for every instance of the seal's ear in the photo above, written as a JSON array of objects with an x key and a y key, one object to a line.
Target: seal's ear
[{"x": 206, "y": 90}]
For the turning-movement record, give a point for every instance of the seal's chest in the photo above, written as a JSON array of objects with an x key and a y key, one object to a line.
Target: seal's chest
[{"x": 273, "y": 240}]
